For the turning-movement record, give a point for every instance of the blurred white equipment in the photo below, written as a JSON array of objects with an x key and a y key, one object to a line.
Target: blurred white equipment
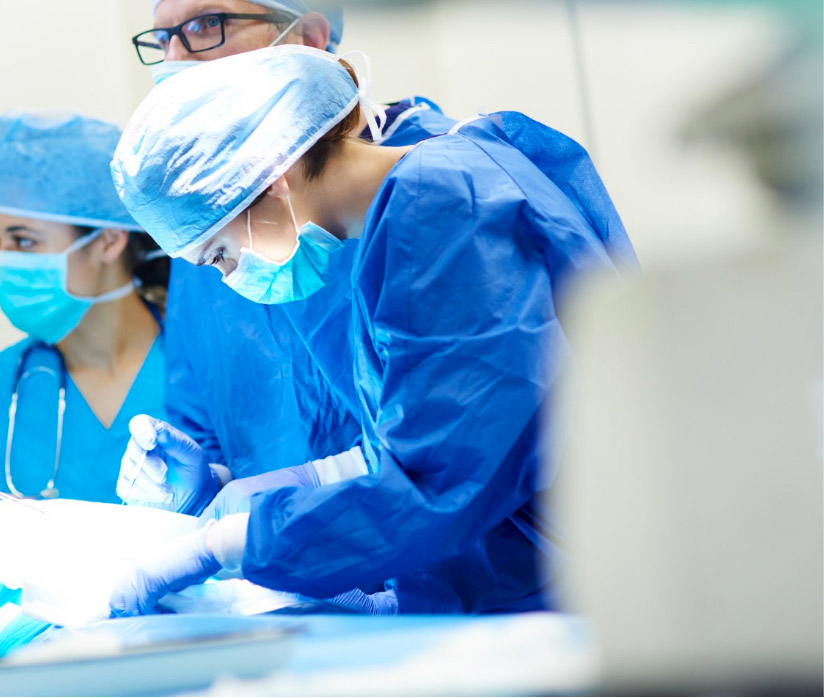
[{"x": 693, "y": 482}]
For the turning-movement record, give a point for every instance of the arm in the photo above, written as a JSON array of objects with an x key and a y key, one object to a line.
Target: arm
[
  {"x": 194, "y": 558},
  {"x": 236, "y": 496}
]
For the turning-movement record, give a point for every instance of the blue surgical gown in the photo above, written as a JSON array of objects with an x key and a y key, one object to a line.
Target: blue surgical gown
[
  {"x": 90, "y": 453},
  {"x": 240, "y": 382},
  {"x": 466, "y": 250}
]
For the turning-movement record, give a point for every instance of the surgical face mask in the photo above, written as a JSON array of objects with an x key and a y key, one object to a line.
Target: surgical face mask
[
  {"x": 305, "y": 271},
  {"x": 34, "y": 295},
  {"x": 161, "y": 71},
  {"x": 166, "y": 69}
]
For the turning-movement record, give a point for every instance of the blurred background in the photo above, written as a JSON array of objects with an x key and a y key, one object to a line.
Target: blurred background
[
  {"x": 694, "y": 494},
  {"x": 627, "y": 79}
]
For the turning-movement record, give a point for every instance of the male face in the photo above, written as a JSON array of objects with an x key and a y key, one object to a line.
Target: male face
[{"x": 241, "y": 35}]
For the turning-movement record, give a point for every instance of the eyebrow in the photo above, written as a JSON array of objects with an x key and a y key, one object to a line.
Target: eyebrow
[
  {"x": 23, "y": 228},
  {"x": 204, "y": 9}
]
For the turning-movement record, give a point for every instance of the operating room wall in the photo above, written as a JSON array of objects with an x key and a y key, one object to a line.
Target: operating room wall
[{"x": 649, "y": 67}]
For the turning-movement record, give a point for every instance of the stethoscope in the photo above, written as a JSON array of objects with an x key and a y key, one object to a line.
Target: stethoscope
[
  {"x": 50, "y": 491},
  {"x": 60, "y": 376}
]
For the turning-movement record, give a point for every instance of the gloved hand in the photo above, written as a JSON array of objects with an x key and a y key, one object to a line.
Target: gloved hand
[
  {"x": 170, "y": 471},
  {"x": 236, "y": 496},
  {"x": 183, "y": 562},
  {"x": 383, "y": 603}
]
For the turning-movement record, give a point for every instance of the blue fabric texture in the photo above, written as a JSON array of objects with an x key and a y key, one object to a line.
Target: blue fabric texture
[
  {"x": 413, "y": 120},
  {"x": 54, "y": 166},
  {"x": 90, "y": 454},
  {"x": 328, "y": 314},
  {"x": 466, "y": 250},
  {"x": 299, "y": 401},
  {"x": 241, "y": 384}
]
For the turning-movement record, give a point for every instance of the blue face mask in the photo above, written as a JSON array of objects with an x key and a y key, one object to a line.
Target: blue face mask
[
  {"x": 34, "y": 295},
  {"x": 166, "y": 69},
  {"x": 161, "y": 71},
  {"x": 305, "y": 271}
]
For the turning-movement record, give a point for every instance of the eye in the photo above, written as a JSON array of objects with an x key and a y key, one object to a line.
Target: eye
[
  {"x": 220, "y": 256},
  {"x": 203, "y": 26},
  {"x": 22, "y": 243},
  {"x": 159, "y": 39}
]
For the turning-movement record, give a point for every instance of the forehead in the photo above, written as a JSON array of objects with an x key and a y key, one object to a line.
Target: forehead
[
  {"x": 171, "y": 12},
  {"x": 48, "y": 229}
]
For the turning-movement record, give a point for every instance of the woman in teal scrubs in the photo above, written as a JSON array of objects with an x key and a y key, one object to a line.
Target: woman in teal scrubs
[{"x": 87, "y": 287}]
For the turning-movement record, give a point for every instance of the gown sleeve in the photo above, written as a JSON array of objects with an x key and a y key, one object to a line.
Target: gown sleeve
[
  {"x": 458, "y": 344},
  {"x": 184, "y": 401}
]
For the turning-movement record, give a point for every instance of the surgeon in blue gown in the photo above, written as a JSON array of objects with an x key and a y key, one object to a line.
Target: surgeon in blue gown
[
  {"x": 294, "y": 412},
  {"x": 87, "y": 288},
  {"x": 468, "y": 243}
]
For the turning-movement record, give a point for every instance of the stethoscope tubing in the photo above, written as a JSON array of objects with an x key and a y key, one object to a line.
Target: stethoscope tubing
[{"x": 50, "y": 491}]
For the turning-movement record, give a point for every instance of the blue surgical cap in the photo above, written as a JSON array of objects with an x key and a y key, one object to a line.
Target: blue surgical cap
[
  {"x": 206, "y": 142},
  {"x": 54, "y": 166},
  {"x": 333, "y": 14}
]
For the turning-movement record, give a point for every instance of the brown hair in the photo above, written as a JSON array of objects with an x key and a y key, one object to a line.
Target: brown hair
[
  {"x": 315, "y": 159},
  {"x": 153, "y": 274}
]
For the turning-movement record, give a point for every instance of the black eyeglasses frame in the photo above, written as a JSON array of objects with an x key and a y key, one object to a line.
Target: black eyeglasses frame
[{"x": 272, "y": 17}]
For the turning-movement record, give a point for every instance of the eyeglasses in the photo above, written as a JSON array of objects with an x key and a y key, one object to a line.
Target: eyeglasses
[{"x": 201, "y": 33}]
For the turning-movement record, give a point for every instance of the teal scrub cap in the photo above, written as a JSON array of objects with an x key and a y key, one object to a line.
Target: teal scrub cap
[
  {"x": 333, "y": 14},
  {"x": 206, "y": 142},
  {"x": 54, "y": 166}
]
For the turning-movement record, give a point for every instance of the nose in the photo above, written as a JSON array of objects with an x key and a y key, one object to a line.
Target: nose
[
  {"x": 228, "y": 266},
  {"x": 176, "y": 51}
]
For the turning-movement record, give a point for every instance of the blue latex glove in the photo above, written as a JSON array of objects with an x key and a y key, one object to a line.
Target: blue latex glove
[
  {"x": 384, "y": 603},
  {"x": 164, "y": 468},
  {"x": 236, "y": 496},
  {"x": 182, "y": 563}
]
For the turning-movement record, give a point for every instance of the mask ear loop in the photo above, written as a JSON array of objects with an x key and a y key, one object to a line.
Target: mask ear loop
[
  {"x": 152, "y": 255},
  {"x": 280, "y": 37},
  {"x": 294, "y": 223},
  {"x": 374, "y": 112},
  {"x": 292, "y": 213},
  {"x": 249, "y": 226},
  {"x": 81, "y": 242},
  {"x": 114, "y": 294}
]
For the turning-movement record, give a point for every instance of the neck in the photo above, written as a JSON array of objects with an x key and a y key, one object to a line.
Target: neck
[
  {"x": 339, "y": 199},
  {"x": 109, "y": 334}
]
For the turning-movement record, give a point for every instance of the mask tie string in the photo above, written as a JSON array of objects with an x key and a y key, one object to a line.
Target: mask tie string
[{"x": 374, "y": 112}]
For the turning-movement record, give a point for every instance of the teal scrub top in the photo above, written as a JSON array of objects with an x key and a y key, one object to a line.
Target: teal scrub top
[{"x": 90, "y": 454}]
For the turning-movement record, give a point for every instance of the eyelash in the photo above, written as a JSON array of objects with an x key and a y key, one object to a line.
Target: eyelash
[
  {"x": 219, "y": 257},
  {"x": 22, "y": 242}
]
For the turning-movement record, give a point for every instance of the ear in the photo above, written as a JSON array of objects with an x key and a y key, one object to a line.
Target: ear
[
  {"x": 314, "y": 31},
  {"x": 112, "y": 243},
  {"x": 279, "y": 189}
]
